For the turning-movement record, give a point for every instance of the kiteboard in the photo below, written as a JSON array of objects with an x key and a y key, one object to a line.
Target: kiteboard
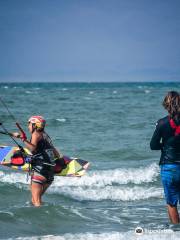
[{"x": 70, "y": 167}]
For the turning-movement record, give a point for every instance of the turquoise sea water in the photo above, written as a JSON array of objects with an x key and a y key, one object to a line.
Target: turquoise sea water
[{"x": 108, "y": 124}]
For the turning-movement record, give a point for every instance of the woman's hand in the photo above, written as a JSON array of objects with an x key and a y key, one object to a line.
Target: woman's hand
[{"x": 16, "y": 135}]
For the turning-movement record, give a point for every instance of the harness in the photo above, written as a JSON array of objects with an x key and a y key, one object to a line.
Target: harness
[
  {"x": 170, "y": 151},
  {"x": 45, "y": 157},
  {"x": 174, "y": 126}
]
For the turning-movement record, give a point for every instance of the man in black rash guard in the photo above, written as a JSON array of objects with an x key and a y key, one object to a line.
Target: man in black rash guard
[{"x": 166, "y": 138}]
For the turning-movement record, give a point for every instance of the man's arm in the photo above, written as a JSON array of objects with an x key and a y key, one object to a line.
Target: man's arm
[{"x": 155, "y": 143}]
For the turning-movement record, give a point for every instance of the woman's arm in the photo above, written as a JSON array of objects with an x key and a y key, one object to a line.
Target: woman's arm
[
  {"x": 32, "y": 145},
  {"x": 155, "y": 143}
]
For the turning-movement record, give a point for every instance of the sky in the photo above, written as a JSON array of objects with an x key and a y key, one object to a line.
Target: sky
[{"x": 89, "y": 40}]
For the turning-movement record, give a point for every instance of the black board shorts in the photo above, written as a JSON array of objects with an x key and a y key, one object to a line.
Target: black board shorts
[{"x": 42, "y": 175}]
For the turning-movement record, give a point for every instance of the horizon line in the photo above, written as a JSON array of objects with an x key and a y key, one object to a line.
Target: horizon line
[{"x": 69, "y": 82}]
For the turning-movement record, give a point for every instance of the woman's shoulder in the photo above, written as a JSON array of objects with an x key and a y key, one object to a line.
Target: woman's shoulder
[{"x": 37, "y": 135}]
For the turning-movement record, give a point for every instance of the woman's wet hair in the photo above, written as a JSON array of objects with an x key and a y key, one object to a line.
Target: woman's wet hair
[{"x": 171, "y": 103}]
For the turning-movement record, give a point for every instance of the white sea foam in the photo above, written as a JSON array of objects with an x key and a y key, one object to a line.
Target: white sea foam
[
  {"x": 61, "y": 119},
  {"x": 7, "y": 213},
  {"x": 165, "y": 234},
  {"x": 99, "y": 185},
  {"x": 87, "y": 98},
  {"x": 109, "y": 177},
  {"x": 108, "y": 193},
  {"x": 13, "y": 177},
  {"x": 97, "y": 178},
  {"x": 77, "y": 212},
  {"x": 91, "y": 193},
  {"x": 28, "y": 92}
]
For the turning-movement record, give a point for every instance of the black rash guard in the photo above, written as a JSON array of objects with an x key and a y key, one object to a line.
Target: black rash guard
[
  {"x": 43, "y": 161},
  {"x": 164, "y": 139},
  {"x": 44, "y": 144}
]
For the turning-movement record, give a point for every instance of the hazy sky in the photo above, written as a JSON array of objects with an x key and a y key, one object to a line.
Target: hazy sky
[{"x": 90, "y": 40}]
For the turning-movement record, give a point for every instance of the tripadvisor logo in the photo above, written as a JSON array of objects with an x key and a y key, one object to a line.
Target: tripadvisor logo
[{"x": 139, "y": 231}]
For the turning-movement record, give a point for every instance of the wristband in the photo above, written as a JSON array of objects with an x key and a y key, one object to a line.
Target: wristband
[{"x": 23, "y": 137}]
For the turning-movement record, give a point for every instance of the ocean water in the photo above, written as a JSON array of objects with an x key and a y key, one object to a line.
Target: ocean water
[{"x": 108, "y": 124}]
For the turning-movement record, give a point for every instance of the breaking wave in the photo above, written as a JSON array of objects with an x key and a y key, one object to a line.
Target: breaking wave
[
  {"x": 165, "y": 234},
  {"x": 109, "y": 193},
  {"x": 100, "y": 185}
]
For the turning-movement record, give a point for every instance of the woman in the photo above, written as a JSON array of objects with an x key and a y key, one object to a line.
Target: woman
[
  {"x": 166, "y": 138},
  {"x": 43, "y": 159}
]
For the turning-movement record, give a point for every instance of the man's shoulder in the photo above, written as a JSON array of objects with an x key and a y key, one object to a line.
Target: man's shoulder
[{"x": 163, "y": 121}]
